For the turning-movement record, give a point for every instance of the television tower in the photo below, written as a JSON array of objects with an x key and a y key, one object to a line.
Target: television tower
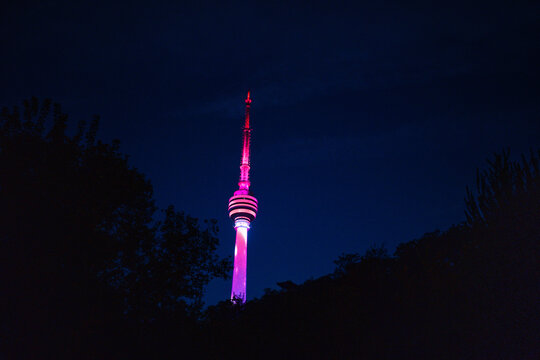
[{"x": 242, "y": 210}]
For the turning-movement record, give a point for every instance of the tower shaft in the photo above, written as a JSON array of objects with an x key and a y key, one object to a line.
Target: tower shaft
[{"x": 238, "y": 290}]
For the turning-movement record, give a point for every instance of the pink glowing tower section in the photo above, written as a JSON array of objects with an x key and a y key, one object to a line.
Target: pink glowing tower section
[{"x": 242, "y": 210}]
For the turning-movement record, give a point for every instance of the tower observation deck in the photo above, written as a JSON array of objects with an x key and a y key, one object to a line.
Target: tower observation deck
[{"x": 242, "y": 210}]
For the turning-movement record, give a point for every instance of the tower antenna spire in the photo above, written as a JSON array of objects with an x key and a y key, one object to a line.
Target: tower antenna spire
[
  {"x": 244, "y": 183},
  {"x": 242, "y": 210}
]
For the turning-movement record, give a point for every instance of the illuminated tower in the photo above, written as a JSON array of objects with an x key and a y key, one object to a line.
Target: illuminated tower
[{"x": 242, "y": 210}]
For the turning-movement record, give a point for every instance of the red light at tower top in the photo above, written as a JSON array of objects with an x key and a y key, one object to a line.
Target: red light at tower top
[{"x": 243, "y": 208}]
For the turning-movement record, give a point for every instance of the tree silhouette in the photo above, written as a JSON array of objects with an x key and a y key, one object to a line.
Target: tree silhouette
[
  {"x": 506, "y": 191},
  {"x": 82, "y": 248},
  {"x": 92, "y": 270}
]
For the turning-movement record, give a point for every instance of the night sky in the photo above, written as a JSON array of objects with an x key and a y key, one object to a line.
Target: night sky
[{"x": 369, "y": 119}]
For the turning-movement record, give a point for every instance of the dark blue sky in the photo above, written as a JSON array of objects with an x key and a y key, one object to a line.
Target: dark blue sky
[{"x": 369, "y": 119}]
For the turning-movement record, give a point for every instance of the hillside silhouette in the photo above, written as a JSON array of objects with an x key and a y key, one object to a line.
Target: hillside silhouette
[{"x": 469, "y": 292}]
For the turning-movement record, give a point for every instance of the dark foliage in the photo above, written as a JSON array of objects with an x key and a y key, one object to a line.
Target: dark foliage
[
  {"x": 86, "y": 268},
  {"x": 471, "y": 292},
  {"x": 92, "y": 271}
]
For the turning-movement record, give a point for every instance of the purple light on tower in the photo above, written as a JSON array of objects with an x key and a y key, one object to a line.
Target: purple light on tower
[{"x": 242, "y": 210}]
